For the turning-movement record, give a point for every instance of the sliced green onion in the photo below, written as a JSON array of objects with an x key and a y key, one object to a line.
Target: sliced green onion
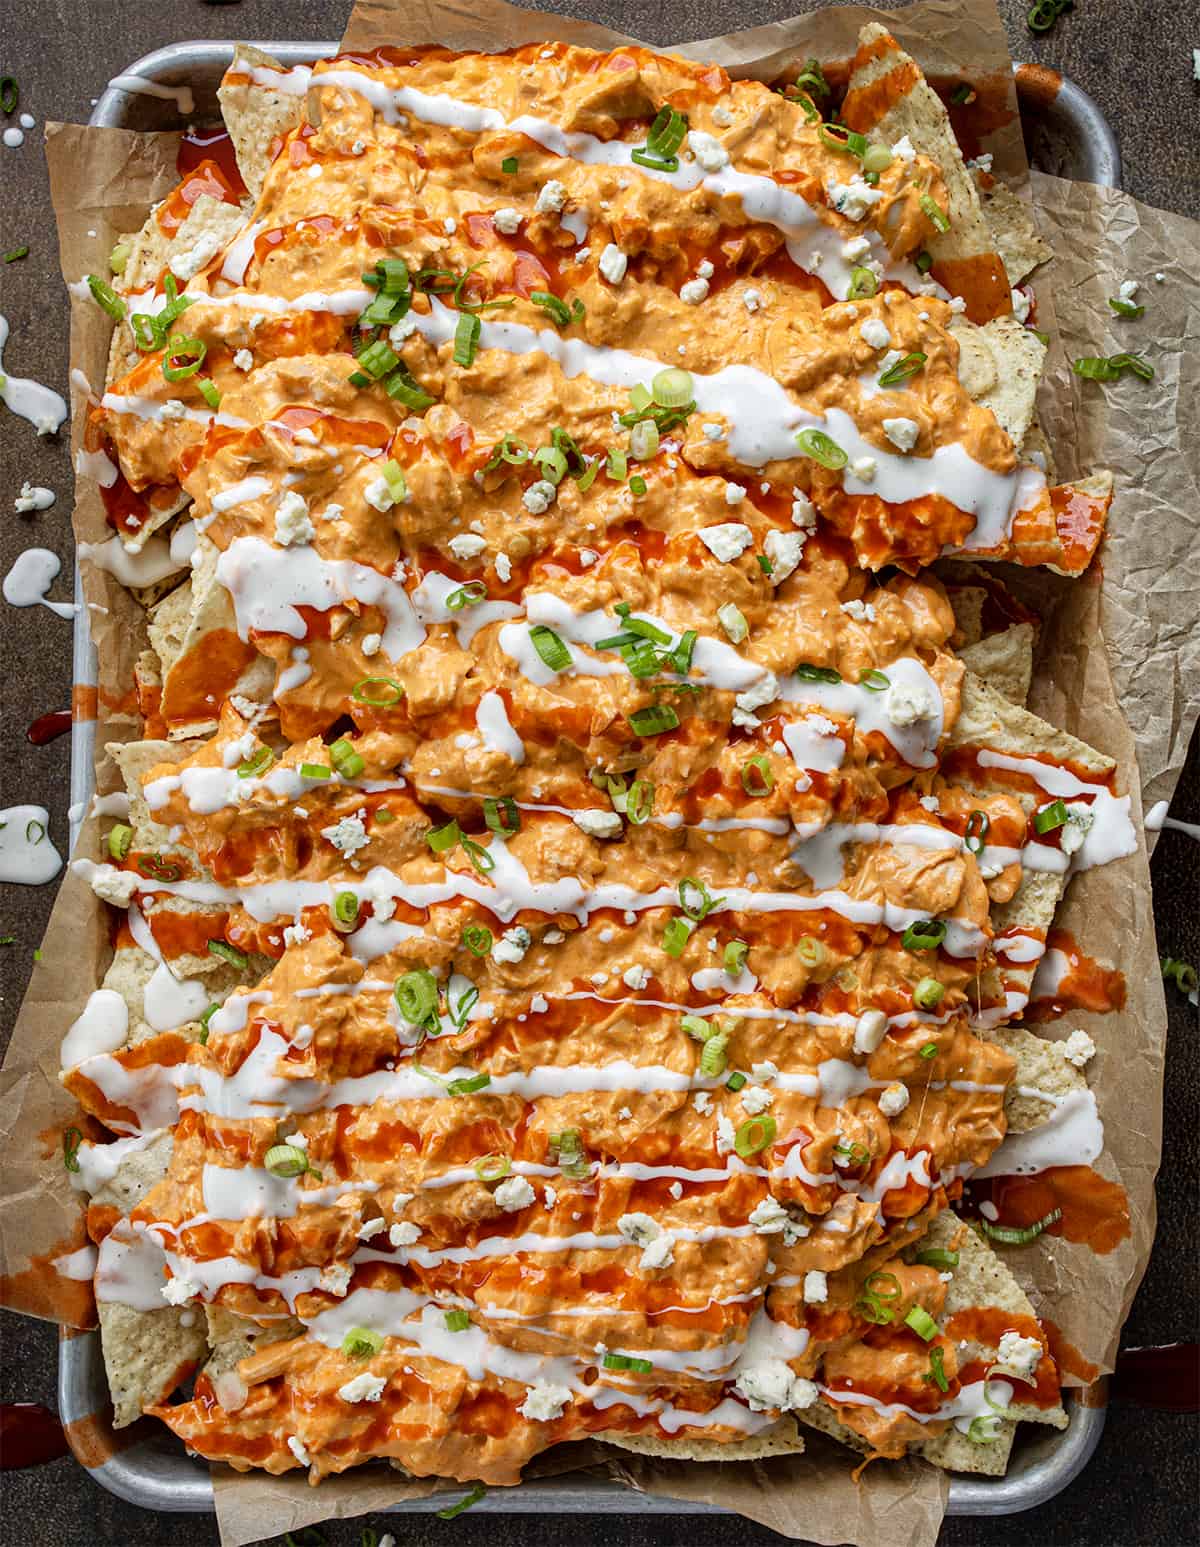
[
  {"x": 696, "y": 1027},
  {"x": 676, "y": 936},
  {"x": 119, "y": 839},
  {"x": 735, "y": 956},
  {"x": 1012, "y": 1235},
  {"x": 209, "y": 392},
  {"x": 1181, "y": 973},
  {"x": 466, "y": 338},
  {"x": 733, "y": 621},
  {"x": 512, "y": 449},
  {"x": 402, "y": 386},
  {"x": 712, "y": 1056},
  {"x": 106, "y": 298},
  {"x": 852, "y": 1155},
  {"x": 986, "y": 1427},
  {"x": 922, "y": 1323},
  {"x": 71, "y": 1140},
  {"x": 552, "y": 462},
  {"x": 871, "y": 1308},
  {"x": 469, "y": 1085},
  {"x": 928, "y": 994},
  {"x": 393, "y": 475},
  {"x": 509, "y": 165},
  {"x": 976, "y": 831},
  {"x": 754, "y": 1135},
  {"x": 483, "y": 862},
  {"x": 735, "y": 1081},
  {"x": 924, "y": 262},
  {"x": 315, "y": 771},
  {"x": 286, "y": 1160},
  {"x": 257, "y": 764},
  {"x": 637, "y": 484},
  {"x": 549, "y": 647},
  {"x": 903, "y": 369},
  {"x": 625, "y": 1362},
  {"x": 653, "y": 720},
  {"x": 361, "y": 1343},
  {"x": 812, "y": 80},
  {"x": 1050, "y": 817},
  {"x": 457, "y": 1321},
  {"x": 817, "y": 445},
  {"x": 377, "y": 359},
  {"x": 838, "y": 137},
  {"x": 207, "y": 1016},
  {"x": 345, "y": 910},
  {"x": 758, "y": 778},
  {"x": 501, "y": 814},
  {"x": 811, "y": 951},
  {"x": 696, "y": 900},
  {"x": 157, "y": 868},
  {"x": 934, "y": 213},
  {"x": 879, "y": 1282},
  {"x": 23, "y": 252},
  {"x": 616, "y": 466},
  {"x": 345, "y": 759},
  {"x": 863, "y": 285},
  {"x": 468, "y": 1501},
  {"x": 764, "y": 563},
  {"x": 469, "y": 595},
  {"x": 1099, "y": 368},
  {"x": 938, "y": 1257},
  {"x": 937, "y": 1369},
  {"x": 378, "y": 692},
  {"x": 924, "y": 935},
  {"x": 183, "y": 358},
  {"x": 229, "y": 953},
  {"x": 643, "y": 440},
  {"x": 556, "y": 309},
  {"x": 672, "y": 387},
  {"x": 477, "y": 938},
  {"x": 928, "y": 1050},
  {"x": 442, "y": 839},
  {"x": 877, "y": 158},
  {"x": 492, "y": 1167},
  {"x": 416, "y": 995},
  {"x": 1124, "y": 308},
  {"x": 874, "y": 681},
  {"x": 807, "y": 672}
]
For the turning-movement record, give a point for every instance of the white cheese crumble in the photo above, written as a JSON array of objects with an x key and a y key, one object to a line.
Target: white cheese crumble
[
  {"x": 869, "y": 1030},
  {"x": 702, "y": 1101},
  {"x": 506, "y": 220},
  {"x": 855, "y": 198},
  {"x": 598, "y": 824},
  {"x": 752, "y": 299},
  {"x": 184, "y": 265},
  {"x": 784, "y": 549},
  {"x": 613, "y": 264},
  {"x": 370, "y": 1228},
  {"x": 734, "y": 494},
  {"x": 816, "y": 1287},
  {"x": 769, "y": 1216},
  {"x": 726, "y": 1134},
  {"x": 639, "y": 1229},
  {"x": 378, "y": 494},
  {"x": 771, "y": 1384},
  {"x": 116, "y": 886},
  {"x": 371, "y": 644},
  {"x": 178, "y": 1291},
  {"x": 860, "y": 611},
  {"x": 728, "y": 541},
  {"x": 174, "y": 408},
  {"x": 1020, "y": 305},
  {"x": 875, "y": 332},
  {"x": 405, "y": 1233},
  {"x": 903, "y": 433},
  {"x": 694, "y": 291},
  {"x": 293, "y": 524},
  {"x": 635, "y": 977},
  {"x": 349, "y": 835},
  {"x": 513, "y": 1193},
  {"x": 1019, "y": 1354},
  {"x": 335, "y": 1278},
  {"x": 363, "y": 1388},
  {"x": 903, "y": 150},
  {"x": 297, "y": 1448},
  {"x": 804, "y": 512},
  {"x": 502, "y": 564},
  {"x": 512, "y": 945},
  {"x": 722, "y": 116},
  {"x": 1079, "y": 1049},
  {"x": 539, "y": 497},
  {"x": 552, "y": 195},
  {"x": 244, "y": 360},
  {"x": 863, "y": 468},
  {"x": 714, "y": 431},
  {"x": 893, "y": 1099},
  {"x": 755, "y": 1100},
  {"x": 909, "y": 702},
  {"x": 296, "y": 934},
  {"x": 545, "y": 1401},
  {"x": 708, "y": 150},
  {"x": 467, "y": 546}
]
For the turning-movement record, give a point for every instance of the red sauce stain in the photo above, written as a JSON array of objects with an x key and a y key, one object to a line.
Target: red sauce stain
[
  {"x": 85, "y": 702},
  {"x": 1165, "y": 1376},
  {"x": 982, "y": 282},
  {"x": 1066, "y": 1356},
  {"x": 1095, "y": 1212},
  {"x": 49, "y": 727},
  {"x": 986, "y": 1324},
  {"x": 206, "y": 178},
  {"x": 30, "y": 1435},
  {"x": 200, "y": 145},
  {"x": 1087, "y": 983}
]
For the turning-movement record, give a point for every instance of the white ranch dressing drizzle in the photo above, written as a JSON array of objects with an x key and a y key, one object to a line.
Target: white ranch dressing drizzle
[
  {"x": 25, "y": 857},
  {"x": 139, "y": 85},
  {"x": 154, "y": 561},
  {"x": 1072, "y": 1136},
  {"x": 31, "y": 576},
  {"x": 43, "y": 407},
  {"x": 168, "y": 1001},
  {"x": 99, "y": 1163},
  {"x": 1111, "y": 835},
  {"x": 102, "y": 1027},
  {"x": 151, "y": 408},
  {"x": 97, "y": 465},
  {"x": 915, "y": 743},
  {"x": 491, "y": 717},
  {"x": 1156, "y": 819},
  {"x": 79, "y": 1265},
  {"x": 812, "y": 245}
]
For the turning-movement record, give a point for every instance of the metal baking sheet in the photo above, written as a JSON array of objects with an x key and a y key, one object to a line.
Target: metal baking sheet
[{"x": 1066, "y": 134}]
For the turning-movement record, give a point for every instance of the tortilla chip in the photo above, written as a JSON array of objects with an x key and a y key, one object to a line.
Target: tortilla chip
[
  {"x": 1000, "y": 366},
  {"x": 968, "y": 603},
  {"x": 1036, "y": 448},
  {"x": 965, "y": 258},
  {"x": 147, "y": 1354},
  {"x": 1040, "y": 1066},
  {"x": 987, "y": 719},
  {"x": 1014, "y": 235},
  {"x": 255, "y": 115},
  {"x": 138, "y": 1174},
  {"x": 782, "y": 1439},
  {"x": 1004, "y": 661}
]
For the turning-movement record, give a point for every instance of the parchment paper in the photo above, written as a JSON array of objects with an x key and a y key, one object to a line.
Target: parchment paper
[{"x": 1131, "y": 618}]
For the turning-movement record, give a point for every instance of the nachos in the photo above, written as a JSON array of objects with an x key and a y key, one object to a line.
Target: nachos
[{"x": 583, "y": 871}]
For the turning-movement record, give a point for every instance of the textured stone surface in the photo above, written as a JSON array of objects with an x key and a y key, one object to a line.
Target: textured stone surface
[{"x": 1142, "y": 1486}]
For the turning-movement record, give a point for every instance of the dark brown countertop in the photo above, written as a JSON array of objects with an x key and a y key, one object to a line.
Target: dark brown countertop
[{"x": 1143, "y": 1484}]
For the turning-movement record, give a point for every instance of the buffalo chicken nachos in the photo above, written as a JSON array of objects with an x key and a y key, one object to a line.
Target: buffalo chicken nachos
[{"x": 582, "y": 873}]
